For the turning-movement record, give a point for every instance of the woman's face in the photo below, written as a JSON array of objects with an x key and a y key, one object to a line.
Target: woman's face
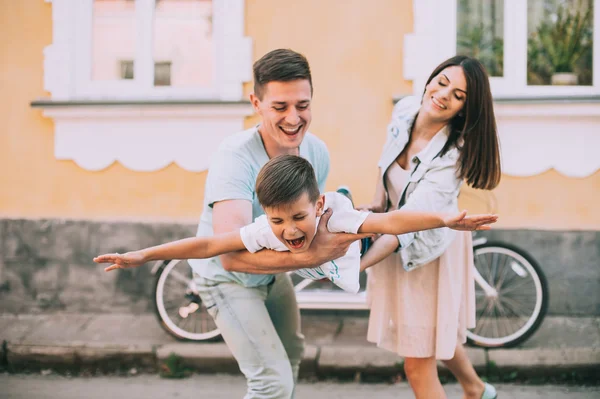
[{"x": 445, "y": 95}]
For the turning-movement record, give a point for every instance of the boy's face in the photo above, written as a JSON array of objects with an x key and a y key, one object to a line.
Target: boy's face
[{"x": 295, "y": 224}]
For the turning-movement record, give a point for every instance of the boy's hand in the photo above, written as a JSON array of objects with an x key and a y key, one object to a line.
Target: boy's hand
[
  {"x": 469, "y": 223},
  {"x": 121, "y": 261}
]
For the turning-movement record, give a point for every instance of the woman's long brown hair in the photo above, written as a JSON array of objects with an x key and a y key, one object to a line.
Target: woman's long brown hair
[{"x": 479, "y": 160}]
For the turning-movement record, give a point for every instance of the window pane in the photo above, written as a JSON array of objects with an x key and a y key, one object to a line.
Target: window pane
[
  {"x": 183, "y": 45},
  {"x": 559, "y": 46},
  {"x": 480, "y": 32},
  {"x": 113, "y": 39}
]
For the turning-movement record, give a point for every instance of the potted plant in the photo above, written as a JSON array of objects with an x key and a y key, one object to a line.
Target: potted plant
[{"x": 560, "y": 41}]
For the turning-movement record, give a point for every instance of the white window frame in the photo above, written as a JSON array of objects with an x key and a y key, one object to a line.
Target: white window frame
[
  {"x": 68, "y": 60},
  {"x": 435, "y": 30}
]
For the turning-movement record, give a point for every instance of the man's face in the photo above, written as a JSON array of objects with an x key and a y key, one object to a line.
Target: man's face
[
  {"x": 295, "y": 224},
  {"x": 285, "y": 113}
]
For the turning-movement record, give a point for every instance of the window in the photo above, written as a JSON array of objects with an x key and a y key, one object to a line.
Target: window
[
  {"x": 162, "y": 74},
  {"x": 182, "y": 32},
  {"x": 113, "y": 39},
  {"x": 126, "y": 69},
  {"x": 148, "y": 49},
  {"x": 480, "y": 32},
  {"x": 531, "y": 48},
  {"x": 559, "y": 42}
]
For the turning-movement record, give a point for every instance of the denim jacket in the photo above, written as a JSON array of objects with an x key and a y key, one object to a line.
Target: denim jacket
[{"x": 433, "y": 185}]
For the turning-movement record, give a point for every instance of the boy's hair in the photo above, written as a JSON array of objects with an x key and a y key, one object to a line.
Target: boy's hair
[
  {"x": 284, "y": 179},
  {"x": 281, "y": 65}
]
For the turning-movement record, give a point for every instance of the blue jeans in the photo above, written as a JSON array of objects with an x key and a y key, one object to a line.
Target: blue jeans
[{"x": 261, "y": 327}]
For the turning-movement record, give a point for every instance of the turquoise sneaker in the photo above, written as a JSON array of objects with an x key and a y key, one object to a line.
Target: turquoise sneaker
[
  {"x": 489, "y": 392},
  {"x": 345, "y": 191}
]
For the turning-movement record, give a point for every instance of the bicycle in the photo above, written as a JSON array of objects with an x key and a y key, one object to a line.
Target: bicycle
[
  {"x": 511, "y": 297},
  {"x": 511, "y": 294}
]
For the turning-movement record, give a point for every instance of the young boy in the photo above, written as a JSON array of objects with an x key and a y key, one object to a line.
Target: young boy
[{"x": 288, "y": 192}]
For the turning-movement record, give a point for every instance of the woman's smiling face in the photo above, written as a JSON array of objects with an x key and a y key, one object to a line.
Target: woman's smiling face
[{"x": 445, "y": 95}]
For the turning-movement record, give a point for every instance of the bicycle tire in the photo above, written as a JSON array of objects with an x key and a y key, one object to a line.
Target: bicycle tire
[
  {"x": 534, "y": 322},
  {"x": 162, "y": 314}
]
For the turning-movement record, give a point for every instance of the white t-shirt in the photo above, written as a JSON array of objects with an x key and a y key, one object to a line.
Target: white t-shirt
[
  {"x": 344, "y": 271},
  {"x": 232, "y": 176}
]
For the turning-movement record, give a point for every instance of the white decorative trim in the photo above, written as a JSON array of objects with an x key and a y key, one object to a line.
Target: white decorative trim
[
  {"x": 144, "y": 138},
  {"x": 233, "y": 50},
  {"x": 58, "y": 66},
  {"x": 535, "y": 138},
  {"x": 432, "y": 41}
]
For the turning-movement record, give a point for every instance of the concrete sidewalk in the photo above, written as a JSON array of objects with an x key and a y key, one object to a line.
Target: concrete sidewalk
[{"x": 336, "y": 346}]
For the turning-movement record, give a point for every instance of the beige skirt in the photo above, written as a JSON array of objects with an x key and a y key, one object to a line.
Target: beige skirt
[{"x": 427, "y": 311}]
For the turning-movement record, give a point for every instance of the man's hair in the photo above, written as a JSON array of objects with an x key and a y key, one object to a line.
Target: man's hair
[
  {"x": 284, "y": 179},
  {"x": 281, "y": 65}
]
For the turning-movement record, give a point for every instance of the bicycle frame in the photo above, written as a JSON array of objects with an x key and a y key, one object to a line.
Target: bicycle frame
[{"x": 339, "y": 300}]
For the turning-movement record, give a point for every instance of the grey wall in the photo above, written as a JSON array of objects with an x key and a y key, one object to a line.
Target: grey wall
[
  {"x": 46, "y": 265},
  {"x": 570, "y": 261}
]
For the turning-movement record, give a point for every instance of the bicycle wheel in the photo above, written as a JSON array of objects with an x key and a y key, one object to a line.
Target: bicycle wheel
[
  {"x": 511, "y": 297},
  {"x": 178, "y": 306}
]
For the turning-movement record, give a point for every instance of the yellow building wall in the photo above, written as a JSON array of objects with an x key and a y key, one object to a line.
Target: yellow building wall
[{"x": 355, "y": 53}]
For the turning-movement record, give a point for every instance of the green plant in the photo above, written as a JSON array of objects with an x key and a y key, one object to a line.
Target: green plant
[
  {"x": 479, "y": 42},
  {"x": 173, "y": 367},
  {"x": 561, "y": 39}
]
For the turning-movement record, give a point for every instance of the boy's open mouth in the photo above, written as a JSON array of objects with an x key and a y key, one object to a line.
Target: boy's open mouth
[{"x": 297, "y": 242}]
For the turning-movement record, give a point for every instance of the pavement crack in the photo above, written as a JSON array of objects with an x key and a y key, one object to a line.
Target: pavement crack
[{"x": 85, "y": 324}]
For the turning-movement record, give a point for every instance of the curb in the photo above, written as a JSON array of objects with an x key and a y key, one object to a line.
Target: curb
[
  {"x": 95, "y": 356},
  {"x": 318, "y": 361}
]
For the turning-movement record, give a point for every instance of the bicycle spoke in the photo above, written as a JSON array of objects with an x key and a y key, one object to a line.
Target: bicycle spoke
[
  {"x": 503, "y": 273},
  {"x": 513, "y": 305},
  {"x": 488, "y": 277},
  {"x": 516, "y": 287},
  {"x": 485, "y": 320},
  {"x": 503, "y": 319}
]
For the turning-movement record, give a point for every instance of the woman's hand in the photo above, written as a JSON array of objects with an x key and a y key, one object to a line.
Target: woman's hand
[
  {"x": 122, "y": 261},
  {"x": 469, "y": 223}
]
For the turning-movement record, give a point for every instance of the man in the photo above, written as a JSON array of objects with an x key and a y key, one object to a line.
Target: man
[{"x": 250, "y": 297}]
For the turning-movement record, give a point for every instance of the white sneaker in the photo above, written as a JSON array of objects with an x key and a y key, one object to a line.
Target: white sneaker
[{"x": 489, "y": 392}]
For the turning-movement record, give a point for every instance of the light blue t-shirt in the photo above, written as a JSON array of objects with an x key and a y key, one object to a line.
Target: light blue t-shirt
[{"x": 232, "y": 176}]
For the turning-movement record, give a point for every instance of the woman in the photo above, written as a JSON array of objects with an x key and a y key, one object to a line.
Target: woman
[{"x": 423, "y": 296}]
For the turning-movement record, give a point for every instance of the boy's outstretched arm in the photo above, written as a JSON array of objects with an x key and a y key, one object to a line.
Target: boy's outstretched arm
[
  {"x": 401, "y": 221},
  {"x": 187, "y": 248}
]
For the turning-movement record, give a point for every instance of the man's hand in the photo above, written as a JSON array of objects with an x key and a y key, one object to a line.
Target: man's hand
[
  {"x": 469, "y": 223},
  {"x": 122, "y": 261},
  {"x": 327, "y": 246}
]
